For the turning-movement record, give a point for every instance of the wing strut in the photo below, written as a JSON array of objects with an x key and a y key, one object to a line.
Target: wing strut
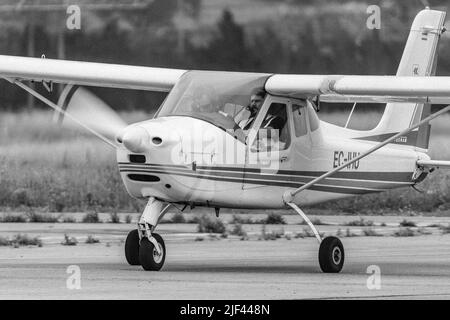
[{"x": 288, "y": 196}]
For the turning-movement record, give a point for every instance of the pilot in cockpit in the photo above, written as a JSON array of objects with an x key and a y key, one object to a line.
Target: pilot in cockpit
[
  {"x": 251, "y": 111},
  {"x": 273, "y": 134}
]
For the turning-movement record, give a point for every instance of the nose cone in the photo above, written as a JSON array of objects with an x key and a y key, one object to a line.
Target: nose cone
[{"x": 135, "y": 139}]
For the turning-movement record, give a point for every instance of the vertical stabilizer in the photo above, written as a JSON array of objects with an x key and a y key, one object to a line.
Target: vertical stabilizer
[{"x": 419, "y": 59}]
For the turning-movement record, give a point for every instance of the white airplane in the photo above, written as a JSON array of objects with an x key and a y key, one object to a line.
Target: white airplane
[{"x": 206, "y": 147}]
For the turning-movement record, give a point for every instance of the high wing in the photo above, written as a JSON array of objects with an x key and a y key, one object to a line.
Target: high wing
[
  {"x": 89, "y": 73},
  {"x": 330, "y": 88},
  {"x": 340, "y": 88}
]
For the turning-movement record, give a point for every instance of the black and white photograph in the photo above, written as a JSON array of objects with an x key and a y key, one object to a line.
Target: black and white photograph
[{"x": 233, "y": 151}]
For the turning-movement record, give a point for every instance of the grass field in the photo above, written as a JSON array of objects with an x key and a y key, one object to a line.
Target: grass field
[
  {"x": 53, "y": 169},
  {"x": 46, "y": 168}
]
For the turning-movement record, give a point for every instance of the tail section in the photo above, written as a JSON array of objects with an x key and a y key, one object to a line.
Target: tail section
[{"x": 419, "y": 59}]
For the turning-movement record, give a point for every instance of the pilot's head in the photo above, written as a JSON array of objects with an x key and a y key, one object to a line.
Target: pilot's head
[{"x": 256, "y": 100}]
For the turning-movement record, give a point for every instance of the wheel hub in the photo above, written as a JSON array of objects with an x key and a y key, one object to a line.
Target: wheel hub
[
  {"x": 158, "y": 253},
  {"x": 336, "y": 255}
]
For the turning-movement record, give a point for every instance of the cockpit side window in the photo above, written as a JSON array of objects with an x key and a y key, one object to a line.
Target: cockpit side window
[{"x": 274, "y": 131}]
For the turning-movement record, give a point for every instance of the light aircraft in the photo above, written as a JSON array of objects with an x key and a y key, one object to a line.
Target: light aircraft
[{"x": 195, "y": 153}]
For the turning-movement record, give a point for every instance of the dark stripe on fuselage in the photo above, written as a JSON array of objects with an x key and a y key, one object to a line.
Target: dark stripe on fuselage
[
  {"x": 239, "y": 177},
  {"x": 348, "y": 183},
  {"x": 333, "y": 189},
  {"x": 383, "y": 177}
]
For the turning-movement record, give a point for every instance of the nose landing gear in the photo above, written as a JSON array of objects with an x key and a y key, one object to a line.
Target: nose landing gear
[
  {"x": 132, "y": 248},
  {"x": 152, "y": 256},
  {"x": 143, "y": 246}
]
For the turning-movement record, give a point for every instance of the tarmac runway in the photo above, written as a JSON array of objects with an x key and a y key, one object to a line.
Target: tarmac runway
[{"x": 410, "y": 267}]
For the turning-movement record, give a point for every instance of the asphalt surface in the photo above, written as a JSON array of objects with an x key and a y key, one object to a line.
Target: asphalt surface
[{"x": 410, "y": 267}]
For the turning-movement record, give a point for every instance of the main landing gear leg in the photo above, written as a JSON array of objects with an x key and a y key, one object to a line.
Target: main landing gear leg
[
  {"x": 331, "y": 251},
  {"x": 143, "y": 246}
]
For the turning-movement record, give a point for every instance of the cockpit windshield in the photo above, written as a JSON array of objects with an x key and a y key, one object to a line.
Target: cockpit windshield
[{"x": 221, "y": 98}]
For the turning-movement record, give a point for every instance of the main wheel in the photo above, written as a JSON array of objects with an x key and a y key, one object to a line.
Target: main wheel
[
  {"x": 148, "y": 255},
  {"x": 132, "y": 248},
  {"x": 331, "y": 255}
]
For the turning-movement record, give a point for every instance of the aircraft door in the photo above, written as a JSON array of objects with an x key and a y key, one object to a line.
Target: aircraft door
[
  {"x": 269, "y": 144},
  {"x": 301, "y": 140}
]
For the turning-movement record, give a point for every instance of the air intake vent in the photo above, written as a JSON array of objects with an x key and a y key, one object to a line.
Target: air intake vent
[
  {"x": 143, "y": 177},
  {"x": 157, "y": 140},
  {"x": 137, "y": 158}
]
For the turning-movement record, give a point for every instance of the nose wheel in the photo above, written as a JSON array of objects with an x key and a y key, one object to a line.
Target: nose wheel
[
  {"x": 132, "y": 248},
  {"x": 143, "y": 246},
  {"x": 148, "y": 254},
  {"x": 152, "y": 254}
]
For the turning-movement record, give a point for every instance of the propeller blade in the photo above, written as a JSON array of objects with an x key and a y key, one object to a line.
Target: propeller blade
[{"x": 87, "y": 109}]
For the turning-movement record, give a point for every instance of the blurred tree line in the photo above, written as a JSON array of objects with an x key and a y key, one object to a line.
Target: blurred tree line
[{"x": 304, "y": 36}]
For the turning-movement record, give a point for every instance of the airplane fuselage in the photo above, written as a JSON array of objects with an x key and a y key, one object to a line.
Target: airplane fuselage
[{"x": 198, "y": 163}]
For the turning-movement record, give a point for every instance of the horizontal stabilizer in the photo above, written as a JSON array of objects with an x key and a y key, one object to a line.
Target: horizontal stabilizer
[{"x": 439, "y": 164}]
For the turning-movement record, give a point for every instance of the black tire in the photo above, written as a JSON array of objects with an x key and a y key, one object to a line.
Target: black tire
[
  {"x": 331, "y": 255},
  {"x": 132, "y": 248},
  {"x": 148, "y": 256}
]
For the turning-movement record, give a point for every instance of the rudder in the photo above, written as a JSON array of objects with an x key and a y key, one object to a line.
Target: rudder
[{"x": 419, "y": 59}]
